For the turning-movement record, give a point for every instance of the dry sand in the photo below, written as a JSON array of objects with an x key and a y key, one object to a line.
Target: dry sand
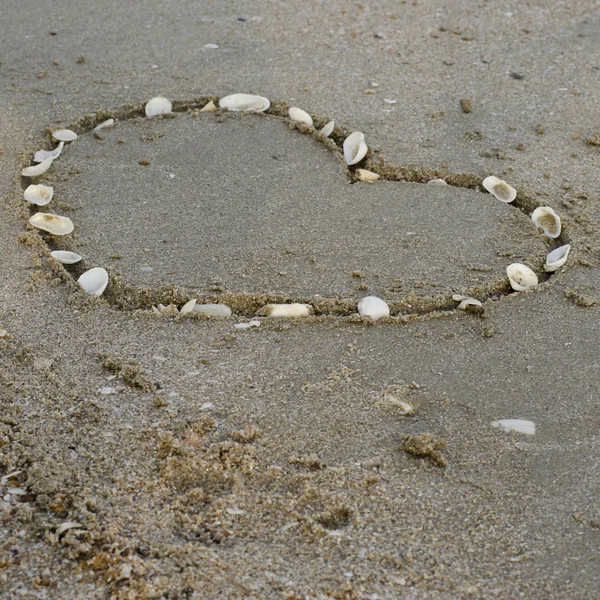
[{"x": 177, "y": 458}]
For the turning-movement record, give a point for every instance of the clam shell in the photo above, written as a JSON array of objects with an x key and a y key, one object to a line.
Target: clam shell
[
  {"x": 213, "y": 310},
  {"x": 355, "y": 148},
  {"x": 64, "y": 135},
  {"x": 37, "y": 170},
  {"x": 500, "y": 189},
  {"x": 437, "y": 182},
  {"x": 188, "y": 307},
  {"x": 285, "y": 310},
  {"x": 557, "y": 258},
  {"x": 545, "y": 218},
  {"x": 521, "y": 277},
  {"x": 65, "y": 257},
  {"x": 328, "y": 129},
  {"x": 94, "y": 281},
  {"x": 245, "y": 102},
  {"x": 364, "y": 175},
  {"x": 39, "y": 194},
  {"x": 54, "y": 224},
  {"x": 373, "y": 307},
  {"x": 299, "y": 115},
  {"x": 42, "y": 155},
  {"x": 518, "y": 425},
  {"x": 210, "y": 107},
  {"x": 105, "y": 124},
  {"x": 158, "y": 106},
  {"x": 468, "y": 302}
]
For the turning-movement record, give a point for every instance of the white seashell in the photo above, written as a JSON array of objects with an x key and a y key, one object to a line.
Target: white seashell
[
  {"x": 52, "y": 223},
  {"x": 249, "y": 325},
  {"x": 545, "y": 218},
  {"x": 37, "y": 170},
  {"x": 364, "y": 175},
  {"x": 458, "y": 297},
  {"x": 500, "y": 189},
  {"x": 328, "y": 129},
  {"x": 158, "y": 106},
  {"x": 188, "y": 307},
  {"x": 210, "y": 46},
  {"x": 557, "y": 258},
  {"x": 245, "y": 102},
  {"x": 213, "y": 310},
  {"x": 210, "y": 107},
  {"x": 65, "y": 257},
  {"x": 42, "y": 155},
  {"x": 94, "y": 281},
  {"x": 518, "y": 425},
  {"x": 285, "y": 310},
  {"x": 355, "y": 148},
  {"x": 17, "y": 491},
  {"x": 39, "y": 194},
  {"x": 66, "y": 526},
  {"x": 105, "y": 124},
  {"x": 64, "y": 135},
  {"x": 373, "y": 307},
  {"x": 521, "y": 277},
  {"x": 299, "y": 115},
  {"x": 468, "y": 302},
  {"x": 437, "y": 182}
]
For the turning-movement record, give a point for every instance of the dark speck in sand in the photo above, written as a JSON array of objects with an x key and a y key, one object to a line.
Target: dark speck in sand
[
  {"x": 516, "y": 75},
  {"x": 241, "y": 19}
]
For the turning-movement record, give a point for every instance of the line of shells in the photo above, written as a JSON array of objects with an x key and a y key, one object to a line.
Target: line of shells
[{"x": 95, "y": 280}]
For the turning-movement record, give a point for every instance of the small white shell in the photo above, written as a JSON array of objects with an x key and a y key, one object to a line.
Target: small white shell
[
  {"x": 210, "y": 107},
  {"x": 545, "y": 218},
  {"x": 328, "y": 129},
  {"x": 518, "y": 425},
  {"x": 557, "y": 258},
  {"x": 42, "y": 155},
  {"x": 39, "y": 194},
  {"x": 245, "y": 102},
  {"x": 373, "y": 307},
  {"x": 500, "y": 189},
  {"x": 94, "y": 281},
  {"x": 213, "y": 310},
  {"x": 37, "y": 170},
  {"x": 188, "y": 307},
  {"x": 250, "y": 324},
  {"x": 368, "y": 176},
  {"x": 158, "y": 106},
  {"x": 465, "y": 301},
  {"x": 65, "y": 257},
  {"x": 521, "y": 277},
  {"x": 105, "y": 124},
  {"x": 285, "y": 310},
  {"x": 64, "y": 135},
  {"x": 297, "y": 114},
  {"x": 52, "y": 223},
  {"x": 437, "y": 182},
  {"x": 355, "y": 148}
]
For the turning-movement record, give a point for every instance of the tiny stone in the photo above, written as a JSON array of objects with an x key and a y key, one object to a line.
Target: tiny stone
[{"x": 465, "y": 104}]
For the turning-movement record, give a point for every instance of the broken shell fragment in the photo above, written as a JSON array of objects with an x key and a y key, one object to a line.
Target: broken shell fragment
[
  {"x": 518, "y": 425},
  {"x": 105, "y": 124},
  {"x": 364, "y": 175},
  {"x": 465, "y": 301},
  {"x": 500, "y": 189},
  {"x": 245, "y": 102},
  {"x": 158, "y": 106},
  {"x": 42, "y": 155},
  {"x": 521, "y": 277},
  {"x": 37, "y": 170},
  {"x": 545, "y": 218},
  {"x": 65, "y": 257},
  {"x": 557, "y": 258},
  {"x": 188, "y": 307},
  {"x": 373, "y": 307},
  {"x": 64, "y": 135},
  {"x": 166, "y": 311},
  {"x": 53, "y": 224},
  {"x": 94, "y": 281},
  {"x": 249, "y": 325},
  {"x": 437, "y": 182},
  {"x": 38, "y": 194},
  {"x": 210, "y": 107},
  {"x": 213, "y": 310},
  {"x": 355, "y": 148},
  {"x": 328, "y": 129},
  {"x": 299, "y": 115},
  {"x": 285, "y": 310}
]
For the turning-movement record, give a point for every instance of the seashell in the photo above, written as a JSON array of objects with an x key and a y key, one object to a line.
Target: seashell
[
  {"x": 249, "y": 325},
  {"x": 158, "y": 106},
  {"x": 105, "y": 124},
  {"x": 65, "y": 257},
  {"x": 557, "y": 258},
  {"x": 437, "y": 182},
  {"x": 355, "y": 148},
  {"x": 521, "y": 277},
  {"x": 38, "y": 194},
  {"x": 364, "y": 175},
  {"x": 373, "y": 307},
  {"x": 42, "y": 155},
  {"x": 167, "y": 311},
  {"x": 465, "y": 301},
  {"x": 545, "y": 218},
  {"x": 213, "y": 310},
  {"x": 299, "y": 115},
  {"x": 210, "y": 107},
  {"x": 94, "y": 281},
  {"x": 188, "y": 307},
  {"x": 66, "y": 526},
  {"x": 518, "y": 425},
  {"x": 245, "y": 102},
  {"x": 500, "y": 189},
  {"x": 64, "y": 135},
  {"x": 328, "y": 129},
  {"x": 285, "y": 310},
  {"x": 53, "y": 224},
  {"x": 37, "y": 170}
]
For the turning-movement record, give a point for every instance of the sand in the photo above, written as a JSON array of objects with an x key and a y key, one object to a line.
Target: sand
[{"x": 180, "y": 458}]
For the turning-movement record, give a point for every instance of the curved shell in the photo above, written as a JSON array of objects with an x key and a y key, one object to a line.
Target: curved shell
[
  {"x": 245, "y": 102},
  {"x": 188, "y": 307},
  {"x": 64, "y": 135},
  {"x": 94, "y": 281},
  {"x": 158, "y": 106},
  {"x": 299, "y": 115},
  {"x": 465, "y": 301},
  {"x": 37, "y": 170},
  {"x": 557, "y": 258},
  {"x": 53, "y": 224},
  {"x": 42, "y": 155},
  {"x": 285, "y": 310},
  {"x": 209, "y": 107},
  {"x": 65, "y": 257},
  {"x": 39, "y": 194},
  {"x": 213, "y": 310},
  {"x": 355, "y": 148},
  {"x": 368, "y": 176},
  {"x": 545, "y": 218},
  {"x": 437, "y": 182},
  {"x": 373, "y": 307},
  {"x": 104, "y": 124},
  {"x": 521, "y": 277},
  {"x": 328, "y": 129},
  {"x": 500, "y": 189}
]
